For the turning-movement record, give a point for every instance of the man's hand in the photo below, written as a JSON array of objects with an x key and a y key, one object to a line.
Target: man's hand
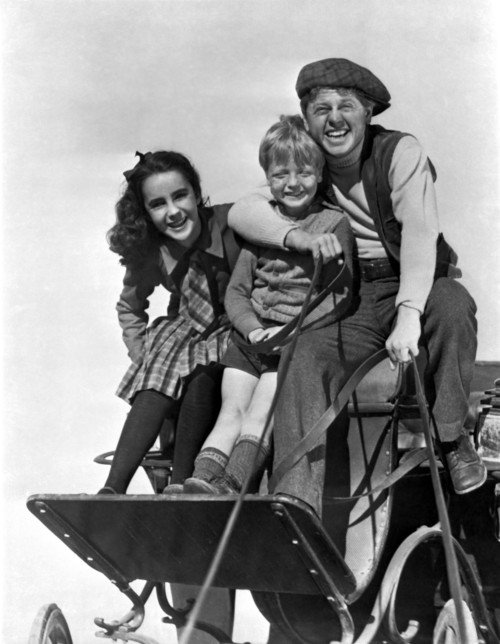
[
  {"x": 325, "y": 245},
  {"x": 259, "y": 335},
  {"x": 405, "y": 335}
]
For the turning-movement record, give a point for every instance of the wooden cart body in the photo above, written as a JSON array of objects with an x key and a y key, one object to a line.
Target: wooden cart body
[{"x": 372, "y": 565}]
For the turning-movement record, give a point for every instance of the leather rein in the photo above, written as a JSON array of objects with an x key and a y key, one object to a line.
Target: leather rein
[{"x": 289, "y": 334}]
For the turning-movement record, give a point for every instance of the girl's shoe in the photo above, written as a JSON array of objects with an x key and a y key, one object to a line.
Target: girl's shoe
[
  {"x": 173, "y": 488},
  {"x": 107, "y": 490}
]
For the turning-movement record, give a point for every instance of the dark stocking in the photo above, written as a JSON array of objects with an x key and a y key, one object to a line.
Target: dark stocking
[
  {"x": 139, "y": 432},
  {"x": 199, "y": 410}
]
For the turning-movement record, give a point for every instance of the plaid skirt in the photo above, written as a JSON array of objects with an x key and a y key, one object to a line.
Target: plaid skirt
[{"x": 172, "y": 351}]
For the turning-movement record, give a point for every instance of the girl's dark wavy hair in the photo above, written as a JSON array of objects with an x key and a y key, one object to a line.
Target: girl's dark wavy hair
[{"x": 134, "y": 235}]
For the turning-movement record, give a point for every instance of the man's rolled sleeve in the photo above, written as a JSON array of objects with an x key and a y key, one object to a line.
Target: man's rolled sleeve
[{"x": 254, "y": 218}]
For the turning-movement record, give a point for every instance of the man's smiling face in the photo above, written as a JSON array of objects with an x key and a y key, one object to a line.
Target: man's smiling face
[{"x": 337, "y": 120}]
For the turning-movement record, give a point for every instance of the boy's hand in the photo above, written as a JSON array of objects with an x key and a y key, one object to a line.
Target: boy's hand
[
  {"x": 405, "y": 335},
  {"x": 272, "y": 330},
  {"x": 259, "y": 335},
  {"x": 325, "y": 245}
]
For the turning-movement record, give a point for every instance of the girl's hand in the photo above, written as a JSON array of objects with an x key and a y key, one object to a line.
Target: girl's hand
[
  {"x": 325, "y": 245},
  {"x": 137, "y": 358}
]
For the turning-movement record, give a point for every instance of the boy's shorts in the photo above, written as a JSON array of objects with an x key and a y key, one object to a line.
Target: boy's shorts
[{"x": 253, "y": 363}]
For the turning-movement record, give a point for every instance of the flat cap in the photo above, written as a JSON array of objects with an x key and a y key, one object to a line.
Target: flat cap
[{"x": 340, "y": 72}]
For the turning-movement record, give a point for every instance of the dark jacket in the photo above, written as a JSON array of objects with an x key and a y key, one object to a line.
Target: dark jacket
[{"x": 166, "y": 266}]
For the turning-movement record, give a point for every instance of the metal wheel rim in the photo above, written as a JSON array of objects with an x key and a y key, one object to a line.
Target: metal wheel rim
[{"x": 50, "y": 627}]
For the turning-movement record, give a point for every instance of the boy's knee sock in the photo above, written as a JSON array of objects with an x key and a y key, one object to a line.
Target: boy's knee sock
[
  {"x": 210, "y": 464},
  {"x": 247, "y": 459}
]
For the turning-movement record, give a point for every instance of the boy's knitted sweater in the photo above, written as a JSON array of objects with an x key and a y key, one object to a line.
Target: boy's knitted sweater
[{"x": 269, "y": 285}]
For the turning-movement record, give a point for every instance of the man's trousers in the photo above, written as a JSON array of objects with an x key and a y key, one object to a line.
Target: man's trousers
[{"x": 324, "y": 359}]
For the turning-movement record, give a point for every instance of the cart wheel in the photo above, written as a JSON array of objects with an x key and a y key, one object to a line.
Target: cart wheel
[
  {"x": 446, "y": 628},
  {"x": 50, "y": 627}
]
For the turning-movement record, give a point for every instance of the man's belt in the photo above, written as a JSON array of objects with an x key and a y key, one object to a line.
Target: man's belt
[{"x": 374, "y": 269}]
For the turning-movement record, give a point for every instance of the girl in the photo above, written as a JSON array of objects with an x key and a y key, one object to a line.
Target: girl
[
  {"x": 166, "y": 236},
  {"x": 267, "y": 290}
]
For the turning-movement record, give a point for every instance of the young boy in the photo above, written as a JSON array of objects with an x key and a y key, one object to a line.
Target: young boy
[{"x": 267, "y": 289}]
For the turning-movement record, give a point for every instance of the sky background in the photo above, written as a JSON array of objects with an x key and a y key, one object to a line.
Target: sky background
[{"x": 87, "y": 83}]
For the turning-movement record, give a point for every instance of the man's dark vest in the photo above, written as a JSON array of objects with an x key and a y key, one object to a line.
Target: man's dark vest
[{"x": 376, "y": 158}]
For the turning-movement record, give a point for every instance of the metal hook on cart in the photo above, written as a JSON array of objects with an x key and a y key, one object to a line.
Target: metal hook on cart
[{"x": 130, "y": 622}]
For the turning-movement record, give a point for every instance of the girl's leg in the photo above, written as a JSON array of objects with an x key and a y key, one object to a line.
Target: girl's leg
[
  {"x": 249, "y": 455},
  {"x": 139, "y": 432},
  {"x": 197, "y": 416},
  {"x": 237, "y": 390},
  {"x": 198, "y": 413}
]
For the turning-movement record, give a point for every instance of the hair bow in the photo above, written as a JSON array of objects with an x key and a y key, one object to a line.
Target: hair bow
[{"x": 128, "y": 174}]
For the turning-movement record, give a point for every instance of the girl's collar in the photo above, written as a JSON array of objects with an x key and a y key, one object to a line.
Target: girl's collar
[{"x": 209, "y": 241}]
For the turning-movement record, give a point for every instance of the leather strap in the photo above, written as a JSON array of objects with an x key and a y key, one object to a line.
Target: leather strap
[
  {"x": 312, "y": 437},
  {"x": 213, "y": 288},
  {"x": 452, "y": 569},
  {"x": 208, "y": 269},
  {"x": 285, "y": 334},
  {"x": 413, "y": 459}
]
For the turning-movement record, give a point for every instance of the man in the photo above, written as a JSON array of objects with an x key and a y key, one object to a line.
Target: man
[{"x": 406, "y": 294}]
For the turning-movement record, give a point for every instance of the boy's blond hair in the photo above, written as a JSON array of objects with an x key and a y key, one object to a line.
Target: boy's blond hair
[{"x": 288, "y": 139}]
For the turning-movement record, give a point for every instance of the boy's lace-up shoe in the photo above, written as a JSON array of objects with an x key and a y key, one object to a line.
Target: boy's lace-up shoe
[
  {"x": 173, "y": 488},
  {"x": 467, "y": 471},
  {"x": 218, "y": 486},
  {"x": 226, "y": 485},
  {"x": 193, "y": 485}
]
